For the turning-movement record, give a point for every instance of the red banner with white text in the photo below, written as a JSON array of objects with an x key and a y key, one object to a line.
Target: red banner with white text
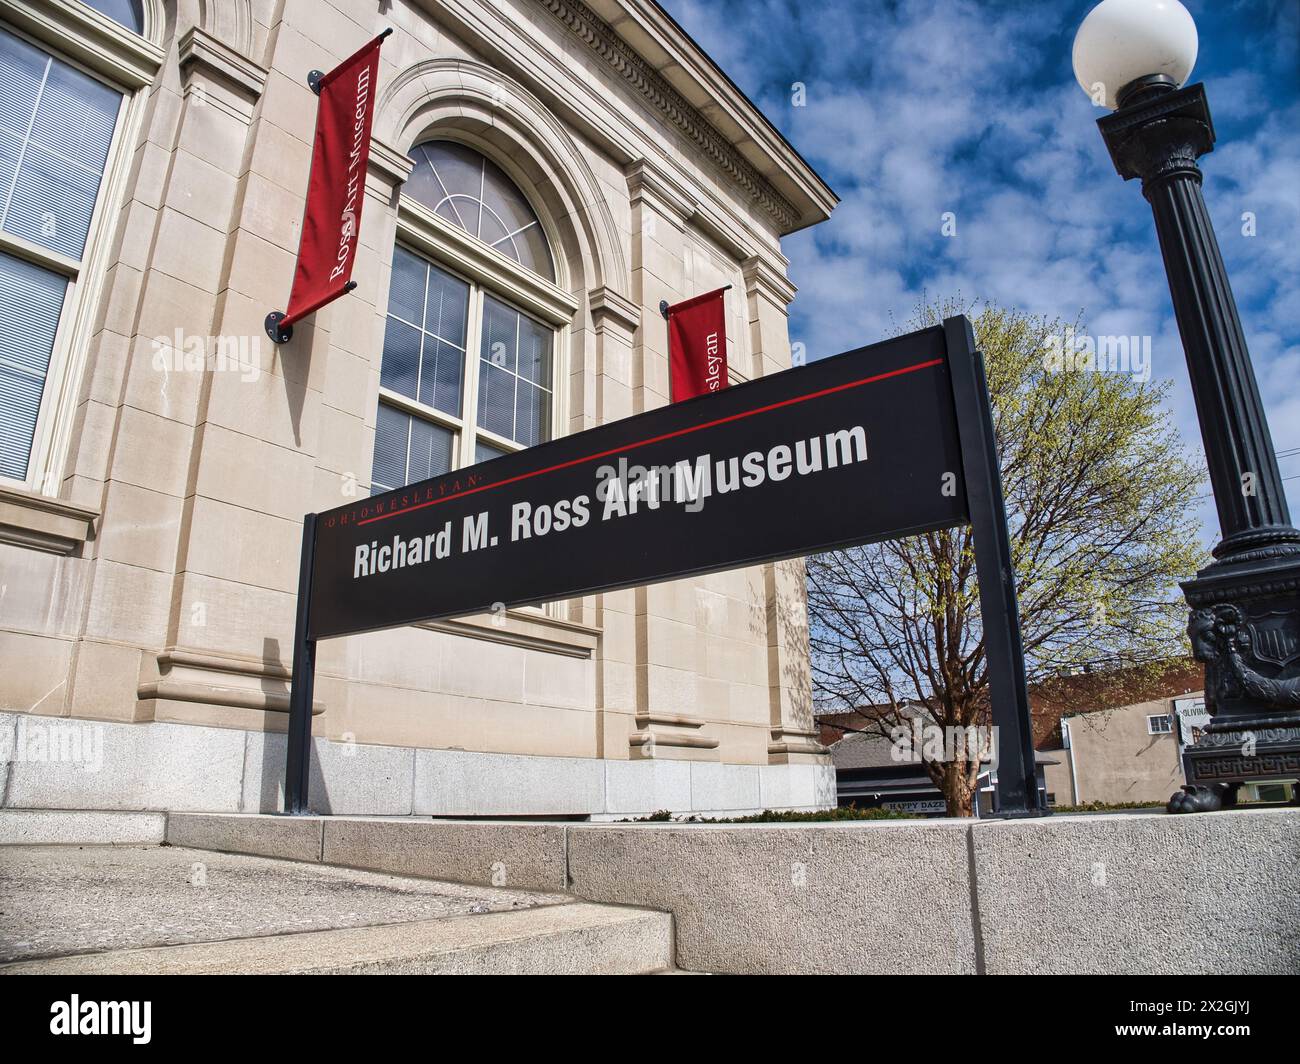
[
  {"x": 697, "y": 345},
  {"x": 335, "y": 191}
]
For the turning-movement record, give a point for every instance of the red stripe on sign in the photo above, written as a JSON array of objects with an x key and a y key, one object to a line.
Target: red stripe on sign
[{"x": 626, "y": 448}]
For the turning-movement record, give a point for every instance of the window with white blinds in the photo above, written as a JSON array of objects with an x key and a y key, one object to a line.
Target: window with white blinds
[
  {"x": 31, "y": 300},
  {"x": 56, "y": 129}
]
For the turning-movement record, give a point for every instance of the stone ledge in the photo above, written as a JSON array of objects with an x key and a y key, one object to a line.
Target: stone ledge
[
  {"x": 518, "y": 855},
  {"x": 1157, "y": 894},
  {"x": 797, "y": 898},
  {"x": 1141, "y": 893},
  {"x": 525, "y": 628},
  {"x": 209, "y": 678},
  {"x": 293, "y": 838},
  {"x": 79, "y": 827},
  {"x": 184, "y": 767},
  {"x": 57, "y": 526}
]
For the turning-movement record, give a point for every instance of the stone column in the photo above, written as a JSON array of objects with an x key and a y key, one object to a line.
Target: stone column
[
  {"x": 615, "y": 321},
  {"x": 768, "y": 293},
  {"x": 164, "y": 298},
  {"x": 667, "y": 723}
]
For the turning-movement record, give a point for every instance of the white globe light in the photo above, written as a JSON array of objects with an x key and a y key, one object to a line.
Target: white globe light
[{"x": 1123, "y": 40}]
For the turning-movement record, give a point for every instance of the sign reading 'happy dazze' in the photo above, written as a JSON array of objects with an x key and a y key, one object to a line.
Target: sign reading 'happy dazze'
[{"x": 860, "y": 447}]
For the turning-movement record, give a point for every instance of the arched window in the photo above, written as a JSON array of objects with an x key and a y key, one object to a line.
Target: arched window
[
  {"x": 130, "y": 13},
  {"x": 470, "y": 191},
  {"x": 467, "y": 373}
]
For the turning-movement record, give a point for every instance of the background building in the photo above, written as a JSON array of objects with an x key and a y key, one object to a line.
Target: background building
[
  {"x": 1118, "y": 755},
  {"x": 1121, "y": 734},
  {"x": 543, "y": 173},
  {"x": 1110, "y": 737}
]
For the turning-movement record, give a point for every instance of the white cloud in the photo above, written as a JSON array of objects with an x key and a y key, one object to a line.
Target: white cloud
[{"x": 951, "y": 105}]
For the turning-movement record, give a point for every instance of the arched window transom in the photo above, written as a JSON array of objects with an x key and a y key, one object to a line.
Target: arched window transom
[
  {"x": 130, "y": 13},
  {"x": 463, "y": 187}
]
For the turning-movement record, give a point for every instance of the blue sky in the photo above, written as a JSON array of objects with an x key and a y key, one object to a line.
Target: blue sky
[{"x": 921, "y": 107}]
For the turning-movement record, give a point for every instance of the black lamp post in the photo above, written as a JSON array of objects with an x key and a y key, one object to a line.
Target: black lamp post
[{"x": 1133, "y": 55}]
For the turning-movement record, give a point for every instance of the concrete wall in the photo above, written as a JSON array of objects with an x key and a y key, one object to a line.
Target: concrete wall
[
  {"x": 59, "y": 764},
  {"x": 175, "y": 602},
  {"x": 1125, "y": 893}
]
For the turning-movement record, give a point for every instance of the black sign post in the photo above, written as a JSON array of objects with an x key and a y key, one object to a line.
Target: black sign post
[
  {"x": 1016, "y": 792},
  {"x": 882, "y": 442}
]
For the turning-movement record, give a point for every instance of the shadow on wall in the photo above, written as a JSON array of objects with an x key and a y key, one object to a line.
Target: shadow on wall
[
  {"x": 270, "y": 797},
  {"x": 275, "y": 748}
]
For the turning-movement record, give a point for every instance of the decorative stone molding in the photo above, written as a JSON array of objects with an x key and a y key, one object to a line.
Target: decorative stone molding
[
  {"x": 610, "y": 308},
  {"x": 669, "y": 731},
  {"x": 221, "y": 680},
  {"x": 763, "y": 279},
  {"x": 788, "y": 742},
  {"x": 650, "y": 186},
  {"x": 80, "y": 31},
  {"x": 493, "y": 113},
  {"x": 228, "y": 80},
  {"x": 391, "y": 166},
  {"x": 529, "y": 629},
  {"x": 41, "y": 523},
  {"x": 589, "y": 27}
]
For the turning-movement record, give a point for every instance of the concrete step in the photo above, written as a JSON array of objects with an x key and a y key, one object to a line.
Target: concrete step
[
  {"x": 570, "y": 939},
  {"x": 170, "y": 910}
]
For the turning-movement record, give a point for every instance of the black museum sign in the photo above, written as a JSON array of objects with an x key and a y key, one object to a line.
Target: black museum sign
[{"x": 878, "y": 443}]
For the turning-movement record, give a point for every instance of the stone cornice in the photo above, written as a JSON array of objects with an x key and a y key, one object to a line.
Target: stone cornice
[
  {"x": 589, "y": 27},
  {"x": 388, "y": 163},
  {"x": 609, "y": 307},
  {"x": 761, "y": 278},
  {"x": 200, "y": 50},
  {"x": 797, "y": 179}
]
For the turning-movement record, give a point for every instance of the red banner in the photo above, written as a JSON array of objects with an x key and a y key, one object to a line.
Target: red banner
[
  {"x": 697, "y": 346},
  {"x": 336, "y": 188}
]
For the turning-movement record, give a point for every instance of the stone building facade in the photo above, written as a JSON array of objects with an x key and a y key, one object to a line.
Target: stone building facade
[{"x": 542, "y": 174}]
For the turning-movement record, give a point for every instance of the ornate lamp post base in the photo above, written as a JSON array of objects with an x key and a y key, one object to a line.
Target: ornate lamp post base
[
  {"x": 1245, "y": 627},
  {"x": 1245, "y": 619}
]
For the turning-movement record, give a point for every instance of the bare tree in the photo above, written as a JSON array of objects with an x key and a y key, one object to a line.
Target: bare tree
[{"x": 1100, "y": 498}]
